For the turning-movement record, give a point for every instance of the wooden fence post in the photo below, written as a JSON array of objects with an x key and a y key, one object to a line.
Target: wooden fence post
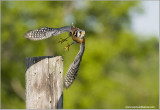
[{"x": 44, "y": 82}]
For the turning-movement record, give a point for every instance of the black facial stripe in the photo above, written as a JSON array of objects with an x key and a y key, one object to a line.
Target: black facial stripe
[{"x": 76, "y": 33}]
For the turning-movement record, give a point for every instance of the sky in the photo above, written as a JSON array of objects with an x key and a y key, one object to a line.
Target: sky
[{"x": 147, "y": 24}]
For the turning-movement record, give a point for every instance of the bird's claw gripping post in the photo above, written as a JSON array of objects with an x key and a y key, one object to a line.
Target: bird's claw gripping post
[{"x": 63, "y": 40}]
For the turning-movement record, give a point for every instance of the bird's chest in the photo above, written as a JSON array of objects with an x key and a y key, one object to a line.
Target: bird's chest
[{"x": 77, "y": 39}]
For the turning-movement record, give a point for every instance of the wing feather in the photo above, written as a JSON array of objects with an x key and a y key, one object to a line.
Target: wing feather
[
  {"x": 74, "y": 67},
  {"x": 46, "y": 32}
]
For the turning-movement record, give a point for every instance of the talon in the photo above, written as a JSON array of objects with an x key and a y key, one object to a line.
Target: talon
[
  {"x": 63, "y": 40},
  {"x": 66, "y": 48}
]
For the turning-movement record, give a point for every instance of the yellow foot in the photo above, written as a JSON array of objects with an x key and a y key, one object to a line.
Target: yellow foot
[
  {"x": 63, "y": 40},
  {"x": 66, "y": 48}
]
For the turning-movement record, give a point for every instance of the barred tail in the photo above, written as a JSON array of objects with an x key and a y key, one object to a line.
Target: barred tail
[{"x": 73, "y": 70}]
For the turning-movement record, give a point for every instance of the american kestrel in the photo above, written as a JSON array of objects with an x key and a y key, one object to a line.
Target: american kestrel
[
  {"x": 77, "y": 36},
  {"x": 46, "y": 32}
]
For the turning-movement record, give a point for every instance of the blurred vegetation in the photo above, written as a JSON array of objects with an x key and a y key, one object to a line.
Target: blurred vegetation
[{"x": 118, "y": 68}]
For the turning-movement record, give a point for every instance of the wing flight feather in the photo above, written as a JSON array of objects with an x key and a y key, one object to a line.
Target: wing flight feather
[{"x": 46, "y": 32}]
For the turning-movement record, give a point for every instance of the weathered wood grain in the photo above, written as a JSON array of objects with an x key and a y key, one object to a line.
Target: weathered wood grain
[{"x": 44, "y": 82}]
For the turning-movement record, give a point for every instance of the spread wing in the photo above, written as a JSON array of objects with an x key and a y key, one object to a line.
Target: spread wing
[
  {"x": 46, "y": 32},
  {"x": 73, "y": 69}
]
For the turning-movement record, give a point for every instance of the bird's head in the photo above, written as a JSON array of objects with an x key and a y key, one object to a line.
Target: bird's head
[{"x": 78, "y": 32}]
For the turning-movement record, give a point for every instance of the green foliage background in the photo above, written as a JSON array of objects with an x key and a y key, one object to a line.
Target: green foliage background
[{"x": 118, "y": 68}]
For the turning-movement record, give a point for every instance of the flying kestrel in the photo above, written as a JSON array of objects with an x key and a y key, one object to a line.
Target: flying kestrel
[{"x": 77, "y": 36}]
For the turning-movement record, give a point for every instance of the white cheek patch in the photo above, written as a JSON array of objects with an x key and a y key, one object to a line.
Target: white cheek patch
[{"x": 78, "y": 34}]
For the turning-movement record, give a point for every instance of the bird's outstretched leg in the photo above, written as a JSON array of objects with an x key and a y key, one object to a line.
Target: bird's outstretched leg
[
  {"x": 63, "y": 40},
  {"x": 66, "y": 48}
]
